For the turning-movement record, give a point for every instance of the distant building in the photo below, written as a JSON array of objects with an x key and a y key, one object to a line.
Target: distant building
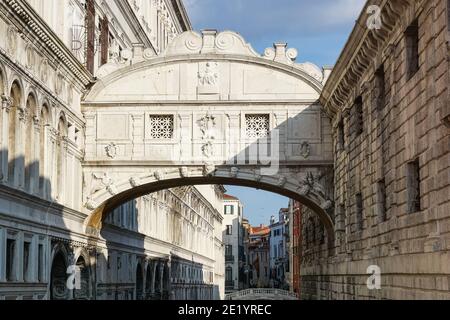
[
  {"x": 233, "y": 238},
  {"x": 259, "y": 256},
  {"x": 294, "y": 247},
  {"x": 279, "y": 255},
  {"x": 246, "y": 270}
]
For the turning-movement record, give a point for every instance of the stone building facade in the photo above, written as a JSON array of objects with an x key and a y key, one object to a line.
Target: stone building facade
[
  {"x": 259, "y": 257},
  {"x": 233, "y": 239},
  {"x": 388, "y": 97},
  {"x": 48, "y": 59}
]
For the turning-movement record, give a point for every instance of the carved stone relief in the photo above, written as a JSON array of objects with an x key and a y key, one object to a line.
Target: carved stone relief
[
  {"x": 12, "y": 40},
  {"x": 207, "y": 126},
  {"x": 208, "y": 79},
  {"x": 111, "y": 150}
]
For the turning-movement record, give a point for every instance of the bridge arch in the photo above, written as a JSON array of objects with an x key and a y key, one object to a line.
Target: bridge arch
[
  {"x": 206, "y": 92},
  {"x": 111, "y": 195}
]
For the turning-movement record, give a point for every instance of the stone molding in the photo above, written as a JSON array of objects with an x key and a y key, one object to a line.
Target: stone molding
[{"x": 39, "y": 29}]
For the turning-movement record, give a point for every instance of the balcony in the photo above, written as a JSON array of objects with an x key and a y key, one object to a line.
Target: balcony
[{"x": 229, "y": 258}]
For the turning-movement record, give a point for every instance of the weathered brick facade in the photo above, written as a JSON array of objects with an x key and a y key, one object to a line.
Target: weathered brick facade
[{"x": 392, "y": 165}]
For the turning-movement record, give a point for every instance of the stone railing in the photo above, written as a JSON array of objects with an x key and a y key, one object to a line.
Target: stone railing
[{"x": 263, "y": 293}]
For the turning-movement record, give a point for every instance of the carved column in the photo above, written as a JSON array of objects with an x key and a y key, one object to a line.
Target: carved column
[
  {"x": 280, "y": 124},
  {"x": 161, "y": 279},
  {"x": 186, "y": 146},
  {"x": 19, "y": 170},
  {"x": 53, "y": 149},
  {"x": 155, "y": 265},
  {"x": 34, "y": 170},
  {"x": 63, "y": 148},
  {"x": 2, "y": 254},
  {"x": 234, "y": 136},
  {"x": 6, "y": 104},
  {"x": 138, "y": 136},
  {"x": 169, "y": 281},
  {"x": 44, "y": 175},
  {"x": 91, "y": 135}
]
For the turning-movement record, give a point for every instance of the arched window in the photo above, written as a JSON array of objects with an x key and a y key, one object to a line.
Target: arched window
[
  {"x": 16, "y": 96},
  {"x": 82, "y": 291},
  {"x": 166, "y": 282},
  {"x": 29, "y": 134},
  {"x": 2, "y": 81},
  {"x": 58, "y": 279},
  {"x": 148, "y": 280},
  {"x": 139, "y": 283},
  {"x": 43, "y": 176},
  {"x": 2, "y": 114},
  {"x": 157, "y": 282}
]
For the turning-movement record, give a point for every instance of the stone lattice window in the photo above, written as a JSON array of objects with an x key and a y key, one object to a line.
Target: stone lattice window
[
  {"x": 161, "y": 126},
  {"x": 257, "y": 125}
]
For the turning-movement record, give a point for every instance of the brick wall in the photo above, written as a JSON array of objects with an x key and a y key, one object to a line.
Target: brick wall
[{"x": 412, "y": 247}]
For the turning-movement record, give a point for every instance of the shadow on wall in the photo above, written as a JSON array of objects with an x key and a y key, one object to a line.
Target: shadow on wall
[
  {"x": 308, "y": 150},
  {"x": 40, "y": 251}
]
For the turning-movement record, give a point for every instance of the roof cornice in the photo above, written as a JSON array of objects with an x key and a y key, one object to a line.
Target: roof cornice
[
  {"x": 30, "y": 20},
  {"x": 181, "y": 14},
  {"x": 134, "y": 22},
  {"x": 361, "y": 50}
]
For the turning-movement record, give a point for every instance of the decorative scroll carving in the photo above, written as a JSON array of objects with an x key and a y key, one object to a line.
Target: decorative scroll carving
[
  {"x": 209, "y": 169},
  {"x": 104, "y": 181},
  {"x": 269, "y": 53},
  {"x": 311, "y": 184},
  {"x": 148, "y": 54},
  {"x": 6, "y": 102},
  {"x": 159, "y": 175},
  {"x": 111, "y": 150},
  {"x": 282, "y": 182},
  {"x": 135, "y": 182},
  {"x": 305, "y": 150},
  {"x": 184, "y": 172},
  {"x": 91, "y": 204}
]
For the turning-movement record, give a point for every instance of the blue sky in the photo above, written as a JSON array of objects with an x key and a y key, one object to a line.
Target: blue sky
[{"x": 318, "y": 29}]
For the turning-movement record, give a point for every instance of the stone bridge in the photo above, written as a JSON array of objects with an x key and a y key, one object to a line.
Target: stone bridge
[
  {"x": 262, "y": 294},
  {"x": 210, "y": 110}
]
